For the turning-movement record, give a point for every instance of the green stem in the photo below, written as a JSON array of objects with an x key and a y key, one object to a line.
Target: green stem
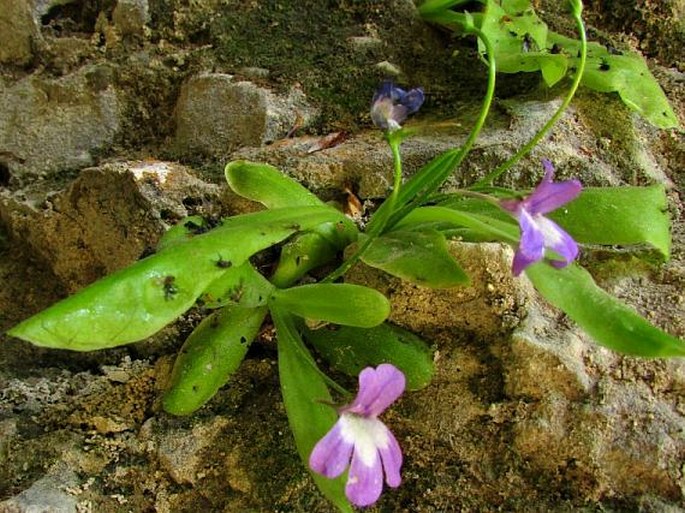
[
  {"x": 394, "y": 143},
  {"x": 424, "y": 190},
  {"x": 415, "y": 192},
  {"x": 488, "y": 179}
]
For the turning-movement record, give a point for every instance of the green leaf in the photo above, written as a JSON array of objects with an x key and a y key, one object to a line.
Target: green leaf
[
  {"x": 435, "y": 6},
  {"x": 428, "y": 177},
  {"x": 184, "y": 230},
  {"x": 138, "y": 301},
  {"x": 627, "y": 74},
  {"x": 242, "y": 285},
  {"x": 306, "y": 252},
  {"x": 421, "y": 257},
  {"x": 267, "y": 185},
  {"x": 350, "y": 350},
  {"x": 339, "y": 303},
  {"x": 480, "y": 226},
  {"x": 618, "y": 215},
  {"x": 210, "y": 356},
  {"x": 519, "y": 38},
  {"x": 306, "y": 399},
  {"x": 607, "y": 320}
]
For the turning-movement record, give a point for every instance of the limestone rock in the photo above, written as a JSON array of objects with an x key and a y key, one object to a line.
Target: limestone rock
[
  {"x": 56, "y": 124},
  {"x": 18, "y": 32},
  {"x": 216, "y": 115},
  {"x": 106, "y": 218},
  {"x": 46, "y": 495},
  {"x": 494, "y": 302},
  {"x": 131, "y": 16},
  {"x": 180, "y": 451}
]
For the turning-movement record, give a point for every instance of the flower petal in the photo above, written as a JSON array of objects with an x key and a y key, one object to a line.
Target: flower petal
[
  {"x": 558, "y": 241},
  {"x": 364, "y": 481},
  {"x": 413, "y": 100},
  {"x": 531, "y": 247},
  {"x": 331, "y": 455},
  {"x": 391, "y": 456},
  {"x": 548, "y": 195},
  {"x": 391, "y": 105},
  {"x": 378, "y": 389}
]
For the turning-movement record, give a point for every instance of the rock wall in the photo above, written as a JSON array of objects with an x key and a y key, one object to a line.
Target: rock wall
[{"x": 116, "y": 119}]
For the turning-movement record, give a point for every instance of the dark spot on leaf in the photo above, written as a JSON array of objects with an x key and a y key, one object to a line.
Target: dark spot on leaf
[
  {"x": 243, "y": 340},
  {"x": 223, "y": 264},
  {"x": 170, "y": 289},
  {"x": 195, "y": 388},
  {"x": 604, "y": 66},
  {"x": 194, "y": 228}
]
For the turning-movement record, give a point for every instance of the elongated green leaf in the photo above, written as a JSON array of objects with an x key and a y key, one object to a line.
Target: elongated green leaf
[
  {"x": 618, "y": 215},
  {"x": 306, "y": 399},
  {"x": 350, "y": 349},
  {"x": 273, "y": 189},
  {"x": 299, "y": 256},
  {"x": 210, "y": 356},
  {"x": 182, "y": 232},
  {"x": 267, "y": 185},
  {"x": 434, "y": 6},
  {"x": 522, "y": 42},
  {"x": 607, "y": 320},
  {"x": 137, "y": 301},
  {"x": 339, "y": 303},
  {"x": 429, "y": 176},
  {"x": 241, "y": 285},
  {"x": 482, "y": 226},
  {"x": 421, "y": 257},
  {"x": 624, "y": 73}
]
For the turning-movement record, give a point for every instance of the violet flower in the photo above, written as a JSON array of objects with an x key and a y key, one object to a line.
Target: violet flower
[
  {"x": 537, "y": 232},
  {"x": 391, "y": 105},
  {"x": 360, "y": 436}
]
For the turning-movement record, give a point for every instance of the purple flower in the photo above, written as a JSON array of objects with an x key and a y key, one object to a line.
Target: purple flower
[
  {"x": 391, "y": 105},
  {"x": 360, "y": 436},
  {"x": 537, "y": 232}
]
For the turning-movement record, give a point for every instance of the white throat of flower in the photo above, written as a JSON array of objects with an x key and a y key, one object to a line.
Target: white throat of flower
[{"x": 368, "y": 435}]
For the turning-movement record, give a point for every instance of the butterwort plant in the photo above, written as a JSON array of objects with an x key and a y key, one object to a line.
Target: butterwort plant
[{"x": 315, "y": 313}]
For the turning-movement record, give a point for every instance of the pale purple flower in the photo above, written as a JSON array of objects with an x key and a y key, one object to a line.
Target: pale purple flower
[
  {"x": 537, "y": 232},
  {"x": 360, "y": 436},
  {"x": 391, "y": 105}
]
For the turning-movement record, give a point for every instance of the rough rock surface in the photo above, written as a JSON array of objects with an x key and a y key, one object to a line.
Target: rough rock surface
[
  {"x": 525, "y": 412},
  {"x": 49, "y": 125},
  {"x": 18, "y": 32},
  {"x": 216, "y": 114}
]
